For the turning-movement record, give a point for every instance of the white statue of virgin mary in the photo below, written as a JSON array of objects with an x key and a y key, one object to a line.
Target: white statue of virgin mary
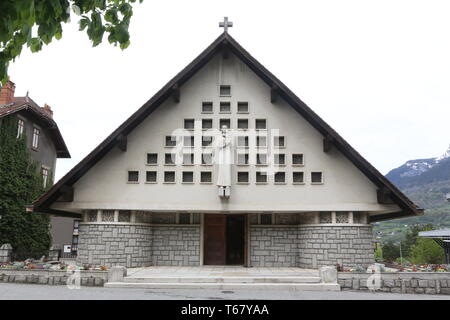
[{"x": 224, "y": 159}]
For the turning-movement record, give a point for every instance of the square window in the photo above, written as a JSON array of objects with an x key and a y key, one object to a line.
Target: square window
[
  {"x": 207, "y": 141},
  {"x": 207, "y": 123},
  {"x": 188, "y": 141},
  {"x": 279, "y": 141},
  {"x": 225, "y": 90},
  {"x": 188, "y": 177},
  {"x": 261, "y": 159},
  {"x": 171, "y": 141},
  {"x": 152, "y": 158},
  {"x": 261, "y": 177},
  {"x": 261, "y": 141},
  {"x": 242, "y": 107},
  {"x": 316, "y": 177},
  {"x": 280, "y": 159},
  {"x": 207, "y": 107},
  {"x": 242, "y": 177},
  {"x": 242, "y": 141},
  {"x": 260, "y": 124},
  {"x": 188, "y": 159},
  {"x": 280, "y": 177},
  {"x": 242, "y": 124},
  {"x": 189, "y": 124},
  {"x": 225, "y": 124},
  {"x": 169, "y": 176},
  {"x": 207, "y": 158},
  {"x": 297, "y": 159},
  {"x": 150, "y": 176},
  {"x": 242, "y": 159},
  {"x": 206, "y": 177},
  {"x": 133, "y": 176},
  {"x": 266, "y": 218},
  {"x": 124, "y": 216},
  {"x": 225, "y": 107},
  {"x": 169, "y": 158},
  {"x": 298, "y": 177},
  {"x": 184, "y": 218}
]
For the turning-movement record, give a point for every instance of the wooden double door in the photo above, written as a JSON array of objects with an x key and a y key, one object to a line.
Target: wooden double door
[{"x": 225, "y": 239}]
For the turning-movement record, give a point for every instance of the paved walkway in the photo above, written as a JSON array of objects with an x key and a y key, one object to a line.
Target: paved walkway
[
  {"x": 218, "y": 271},
  {"x": 45, "y": 292}
]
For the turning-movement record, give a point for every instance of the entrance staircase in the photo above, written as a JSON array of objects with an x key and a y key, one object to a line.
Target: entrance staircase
[{"x": 224, "y": 278}]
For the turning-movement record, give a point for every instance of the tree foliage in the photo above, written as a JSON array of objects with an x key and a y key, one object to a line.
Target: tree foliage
[
  {"x": 391, "y": 251},
  {"x": 427, "y": 251},
  {"x": 36, "y": 22},
  {"x": 20, "y": 184}
]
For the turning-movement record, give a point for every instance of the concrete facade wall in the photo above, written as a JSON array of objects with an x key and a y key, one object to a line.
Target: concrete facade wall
[
  {"x": 311, "y": 246},
  {"x": 105, "y": 185}
]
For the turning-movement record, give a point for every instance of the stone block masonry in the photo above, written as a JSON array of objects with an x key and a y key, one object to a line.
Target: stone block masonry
[
  {"x": 138, "y": 245},
  {"x": 330, "y": 245},
  {"x": 115, "y": 245},
  {"x": 398, "y": 282},
  {"x": 273, "y": 246},
  {"x": 176, "y": 246},
  {"x": 311, "y": 246}
]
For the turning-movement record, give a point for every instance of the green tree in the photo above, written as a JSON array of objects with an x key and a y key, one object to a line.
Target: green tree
[
  {"x": 37, "y": 22},
  {"x": 427, "y": 251},
  {"x": 20, "y": 184},
  {"x": 411, "y": 236},
  {"x": 391, "y": 251}
]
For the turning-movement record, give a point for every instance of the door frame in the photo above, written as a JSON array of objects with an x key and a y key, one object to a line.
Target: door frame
[{"x": 246, "y": 237}]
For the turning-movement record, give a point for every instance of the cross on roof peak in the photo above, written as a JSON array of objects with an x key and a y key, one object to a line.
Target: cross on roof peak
[{"x": 225, "y": 24}]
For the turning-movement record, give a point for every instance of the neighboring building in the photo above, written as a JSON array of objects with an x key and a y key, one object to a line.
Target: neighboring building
[
  {"x": 45, "y": 142},
  {"x": 225, "y": 165}
]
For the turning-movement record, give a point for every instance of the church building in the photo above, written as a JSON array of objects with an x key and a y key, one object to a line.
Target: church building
[{"x": 225, "y": 165}]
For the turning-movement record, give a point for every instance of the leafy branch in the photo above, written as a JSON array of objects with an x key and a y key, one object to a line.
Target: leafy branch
[{"x": 37, "y": 22}]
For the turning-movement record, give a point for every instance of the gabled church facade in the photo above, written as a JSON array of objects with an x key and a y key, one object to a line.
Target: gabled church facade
[{"x": 225, "y": 166}]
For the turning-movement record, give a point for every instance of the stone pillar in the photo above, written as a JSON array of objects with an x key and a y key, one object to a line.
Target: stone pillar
[
  {"x": 117, "y": 273},
  {"x": 5, "y": 252},
  {"x": 53, "y": 253}
]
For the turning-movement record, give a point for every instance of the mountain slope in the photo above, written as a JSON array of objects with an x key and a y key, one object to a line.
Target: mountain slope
[{"x": 426, "y": 182}]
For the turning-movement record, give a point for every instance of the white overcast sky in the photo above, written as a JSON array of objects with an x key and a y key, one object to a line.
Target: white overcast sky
[{"x": 377, "y": 71}]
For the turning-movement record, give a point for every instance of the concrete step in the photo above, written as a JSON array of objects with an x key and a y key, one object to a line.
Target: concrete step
[
  {"x": 218, "y": 279},
  {"x": 227, "y": 286}
]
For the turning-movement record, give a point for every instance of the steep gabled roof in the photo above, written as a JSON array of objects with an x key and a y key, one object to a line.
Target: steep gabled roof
[
  {"x": 26, "y": 104},
  {"x": 226, "y": 42}
]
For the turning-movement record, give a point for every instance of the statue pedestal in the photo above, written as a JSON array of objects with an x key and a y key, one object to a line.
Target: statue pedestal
[{"x": 224, "y": 191}]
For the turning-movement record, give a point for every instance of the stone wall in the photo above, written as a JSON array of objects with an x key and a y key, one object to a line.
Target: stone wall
[
  {"x": 54, "y": 277},
  {"x": 113, "y": 244},
  {"x": 398, "y": 282},
  {"x": 311, "y": 246},
  {"x": 138, "y": 245},
  {"x": 273, "y": 246},
  {"x": 330, "y": 245},
  {"x": 176, "y": 246}
]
